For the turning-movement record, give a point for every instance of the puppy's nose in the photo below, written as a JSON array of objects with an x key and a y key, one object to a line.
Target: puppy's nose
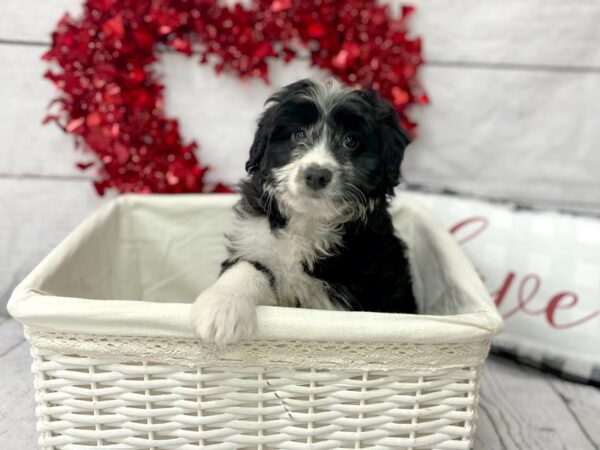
[{"x": 317, "y": 177}]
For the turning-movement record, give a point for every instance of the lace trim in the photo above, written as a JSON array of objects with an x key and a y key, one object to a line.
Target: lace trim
[{"x": 313, "y": 354}]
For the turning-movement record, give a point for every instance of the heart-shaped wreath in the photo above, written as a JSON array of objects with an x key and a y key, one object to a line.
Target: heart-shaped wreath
[{"x": 113, "y": 104}]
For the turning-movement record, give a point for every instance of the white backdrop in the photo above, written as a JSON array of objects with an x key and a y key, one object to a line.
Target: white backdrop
[{"x": 515, "y": 89}]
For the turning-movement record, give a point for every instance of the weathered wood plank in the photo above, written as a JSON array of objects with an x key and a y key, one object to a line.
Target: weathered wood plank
[
  {"x": 34, "y": 216},
  {"x": 526, "y": 412},
  {"x": 17, "y": 404},
  {"x": 527, "y": 137},
  {"x": 11, "y": 335},
  {"x": 27, "y": 146},
  {"x": 583, "y": 402},
  {"x": 33, "y": 21},
  {"x": 535, "y": 32},
  {"x": 487, "y": 436}
]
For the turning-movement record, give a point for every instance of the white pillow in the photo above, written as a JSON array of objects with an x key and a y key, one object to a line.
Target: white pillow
[{"x": 543, "y": 272}]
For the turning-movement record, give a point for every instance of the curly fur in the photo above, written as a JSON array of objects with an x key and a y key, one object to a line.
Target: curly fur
[{"x": 328, "y": 247}]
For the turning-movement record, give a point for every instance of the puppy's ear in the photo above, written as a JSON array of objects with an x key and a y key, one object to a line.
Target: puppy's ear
[
  {"x": 393, "y": 138},
  {"x": 266, "y": 123},
  {"x": 261, "y": 141}
]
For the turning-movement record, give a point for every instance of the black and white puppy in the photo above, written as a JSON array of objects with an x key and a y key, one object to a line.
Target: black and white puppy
[{"x": 312, "y": 228}]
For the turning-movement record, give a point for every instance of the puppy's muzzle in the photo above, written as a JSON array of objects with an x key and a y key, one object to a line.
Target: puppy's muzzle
[{"x": 317, "y": 177}]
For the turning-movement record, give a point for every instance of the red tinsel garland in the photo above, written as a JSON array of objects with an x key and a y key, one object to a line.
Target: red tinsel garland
[{"x": 113, "y": 104}]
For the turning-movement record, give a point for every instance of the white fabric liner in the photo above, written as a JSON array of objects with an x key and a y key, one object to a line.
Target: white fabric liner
[{"x": 134, "y": 267}]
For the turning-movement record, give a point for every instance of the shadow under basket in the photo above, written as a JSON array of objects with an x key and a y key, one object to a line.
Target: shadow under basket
[{"x": 117, "y": 365}]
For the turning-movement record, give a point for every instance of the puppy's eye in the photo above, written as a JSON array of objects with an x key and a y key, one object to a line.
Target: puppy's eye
[
  {"x": 299, "y": 135},
  {"x": 350, "y": 143}
]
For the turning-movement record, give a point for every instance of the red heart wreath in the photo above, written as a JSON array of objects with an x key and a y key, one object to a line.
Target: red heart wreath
[{"x": 113, "y": 104}]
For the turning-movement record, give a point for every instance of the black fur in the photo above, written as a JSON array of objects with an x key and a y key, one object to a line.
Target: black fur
[{"x": 369, "y": 271}]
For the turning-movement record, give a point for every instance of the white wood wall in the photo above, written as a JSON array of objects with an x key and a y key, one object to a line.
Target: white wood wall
[{"x": 515, "y": 89}]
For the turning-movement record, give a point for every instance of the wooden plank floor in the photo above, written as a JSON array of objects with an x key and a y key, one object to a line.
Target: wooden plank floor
[{"x": 520, "y": 409}]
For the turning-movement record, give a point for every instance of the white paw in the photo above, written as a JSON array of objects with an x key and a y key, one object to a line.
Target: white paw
[{"x": 223, "y": 315}]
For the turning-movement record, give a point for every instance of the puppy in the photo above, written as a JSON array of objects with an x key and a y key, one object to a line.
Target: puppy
[{"x": 312, "y": 228}]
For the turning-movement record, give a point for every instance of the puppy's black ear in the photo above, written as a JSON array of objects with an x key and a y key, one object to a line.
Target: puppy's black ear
[
  {"x": 267, "y": 120},
  {"x": 261, "y": 141},
  {"x": 393, "y": 139}
]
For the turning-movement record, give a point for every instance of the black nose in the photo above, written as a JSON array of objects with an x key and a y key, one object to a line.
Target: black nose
[{"x": 317, "y": 177}]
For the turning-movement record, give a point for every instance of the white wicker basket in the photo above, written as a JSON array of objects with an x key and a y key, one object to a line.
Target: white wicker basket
[{"x": 129, "y": 374}]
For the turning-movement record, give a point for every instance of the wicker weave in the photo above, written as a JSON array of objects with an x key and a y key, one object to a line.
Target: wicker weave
[{"x": 107, "y": 403}]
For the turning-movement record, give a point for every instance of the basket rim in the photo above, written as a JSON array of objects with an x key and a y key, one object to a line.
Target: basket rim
[
  {"x": 273, "y": 322},
  {"x": 42, "y": 311}
]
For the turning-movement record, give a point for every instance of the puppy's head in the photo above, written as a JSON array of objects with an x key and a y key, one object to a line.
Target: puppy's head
[{"x": 325, "y": 149}]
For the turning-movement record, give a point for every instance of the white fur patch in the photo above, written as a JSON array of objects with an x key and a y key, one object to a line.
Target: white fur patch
[
  {"x": 336, "y": 203},
  {"x": 225, "y": 312},
  {"x": 284, "y": 252},
  {"x": 291, "y": 176},
  {"x": 319, "y": 155}
]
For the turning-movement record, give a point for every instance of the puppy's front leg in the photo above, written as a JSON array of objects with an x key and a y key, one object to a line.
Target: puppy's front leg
[{"x": 225, "y": 312}]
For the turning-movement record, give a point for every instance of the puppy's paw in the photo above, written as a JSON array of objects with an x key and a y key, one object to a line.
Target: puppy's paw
[{"x": 223, "y": 315}]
